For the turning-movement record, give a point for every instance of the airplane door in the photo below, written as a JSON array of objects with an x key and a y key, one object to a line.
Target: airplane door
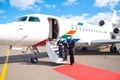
[{"x": 53, "y": 28}]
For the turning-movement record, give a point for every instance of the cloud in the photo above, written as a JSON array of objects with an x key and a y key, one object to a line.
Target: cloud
[
  {"x": 92, "y": 19},
  {"x": 3, "y": 17},
  {"x": 100, "y": 16},
  {"x": 78, "y": 18},
  {"x": 2, "y": 11},
  {"x": 36, "y": 8},
  {"x": 106, "y": 3},
  {"x": 69, "y": 2},
  {"x": 50, "y": 6},
  {"x": 24, "y": 4},
  {"x": 2, "y": 1}
]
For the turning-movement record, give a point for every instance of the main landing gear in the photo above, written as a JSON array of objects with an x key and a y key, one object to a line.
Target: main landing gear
[
  {"x": 35, "y": 52},
  {"x": 113, "y": 48}
]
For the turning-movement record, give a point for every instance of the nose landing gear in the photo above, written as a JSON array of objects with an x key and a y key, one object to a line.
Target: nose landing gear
[
  {"x": 35, "y": 52},
  {"x": 34, "y": 59}
]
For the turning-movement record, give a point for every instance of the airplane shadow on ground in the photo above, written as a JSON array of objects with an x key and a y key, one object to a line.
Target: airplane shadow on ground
[
  {"x": 25, "y": 58},
  {"x": 94, "y": 51},
  {"x": 47, "y": 63},
  {"x": 21, "y": 57}
]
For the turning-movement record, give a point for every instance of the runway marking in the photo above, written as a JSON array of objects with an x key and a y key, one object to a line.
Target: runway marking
[{"x": 3, "y": 73}]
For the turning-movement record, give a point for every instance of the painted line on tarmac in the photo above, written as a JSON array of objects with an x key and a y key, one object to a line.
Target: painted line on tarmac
[{"x": 3, "y": 73}]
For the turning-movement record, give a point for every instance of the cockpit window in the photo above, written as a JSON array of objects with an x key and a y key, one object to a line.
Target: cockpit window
[
  {"x": 33, "y": 19},
  {"x": 22, "y": 19}
]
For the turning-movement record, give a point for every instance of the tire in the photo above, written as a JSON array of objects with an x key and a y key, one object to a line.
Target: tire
[
  {"x": 34, "y": 59},
  {"x": 113, "y": 49}
]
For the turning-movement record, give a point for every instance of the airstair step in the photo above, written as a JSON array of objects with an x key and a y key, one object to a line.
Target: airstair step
[
  {"x": 52, "y": 51},
  {"x": 54, "y": 46},
  {"x": 57, "y": 52},
  {"x": 60, "y": 60},
  {"x": 55, "y": 49}
]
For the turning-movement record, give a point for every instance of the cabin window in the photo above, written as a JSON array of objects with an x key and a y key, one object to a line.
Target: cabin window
[
  {"x": 22, "y": 19},
  {"x": 76, "y": 27},
  {"x": 79, "y": 28},
  {"x": 33, "y": 19}
]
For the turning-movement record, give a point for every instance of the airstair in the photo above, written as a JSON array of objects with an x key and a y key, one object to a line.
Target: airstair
[{"x": 52, "y": 51}]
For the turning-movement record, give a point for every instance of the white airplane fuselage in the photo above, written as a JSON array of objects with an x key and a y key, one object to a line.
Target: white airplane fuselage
[
  {"x": 36, "y": 32},
  {"x": 37, "y": 29}
]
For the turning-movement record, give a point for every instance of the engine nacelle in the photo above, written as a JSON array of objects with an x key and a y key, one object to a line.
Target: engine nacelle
[
  {"x": 116, "y": 30},
  {"x": 116, "y": 33},
  {"x": 101, "y": 22}
]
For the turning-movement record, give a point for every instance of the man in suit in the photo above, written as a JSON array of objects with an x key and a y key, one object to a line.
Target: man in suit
[
  {"x": 71, "y": 45},
  {"x": 60, "y": 47},
  {"x": 65, "y": 44}
]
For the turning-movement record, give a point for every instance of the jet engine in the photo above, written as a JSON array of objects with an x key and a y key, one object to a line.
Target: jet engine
[
  {"x": 116, "y": 33},
  {"x": 116, "y": 30},
  {"x": 101, "y": 22}
]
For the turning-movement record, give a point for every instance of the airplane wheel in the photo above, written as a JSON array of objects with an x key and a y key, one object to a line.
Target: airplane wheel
[
  {"x": 113, "y": 49},
  {"x": 34, "y": 59},
  {"x": 84, "y": 48}
]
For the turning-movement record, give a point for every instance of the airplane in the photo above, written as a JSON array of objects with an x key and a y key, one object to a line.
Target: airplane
[{"x": 34, "y": 30}]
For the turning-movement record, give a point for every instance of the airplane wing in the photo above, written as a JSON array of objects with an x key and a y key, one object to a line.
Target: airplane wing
[{"x": 104, "y": 42}]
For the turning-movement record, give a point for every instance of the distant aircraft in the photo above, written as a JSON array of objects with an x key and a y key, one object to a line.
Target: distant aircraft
[{"x": 37, "y": 29}]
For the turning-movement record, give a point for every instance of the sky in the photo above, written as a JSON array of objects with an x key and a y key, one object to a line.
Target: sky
[{"x": 90, "y": 11}]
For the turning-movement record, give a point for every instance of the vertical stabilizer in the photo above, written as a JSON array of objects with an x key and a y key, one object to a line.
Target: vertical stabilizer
[{"x": 114, "y": 16}]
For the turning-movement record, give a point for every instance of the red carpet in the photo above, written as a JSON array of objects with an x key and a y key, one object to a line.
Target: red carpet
[{"x": 83, "y": 72}]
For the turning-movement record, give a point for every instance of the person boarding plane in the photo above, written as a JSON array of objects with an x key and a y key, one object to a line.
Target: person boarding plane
[{"x": 38, "y": 29}]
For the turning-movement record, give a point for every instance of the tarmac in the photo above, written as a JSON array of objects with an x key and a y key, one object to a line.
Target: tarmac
[{"x": 19, "y": 66}]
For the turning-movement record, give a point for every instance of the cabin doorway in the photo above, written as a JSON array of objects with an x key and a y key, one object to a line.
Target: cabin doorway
[{"x": 53, "y": 28}]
